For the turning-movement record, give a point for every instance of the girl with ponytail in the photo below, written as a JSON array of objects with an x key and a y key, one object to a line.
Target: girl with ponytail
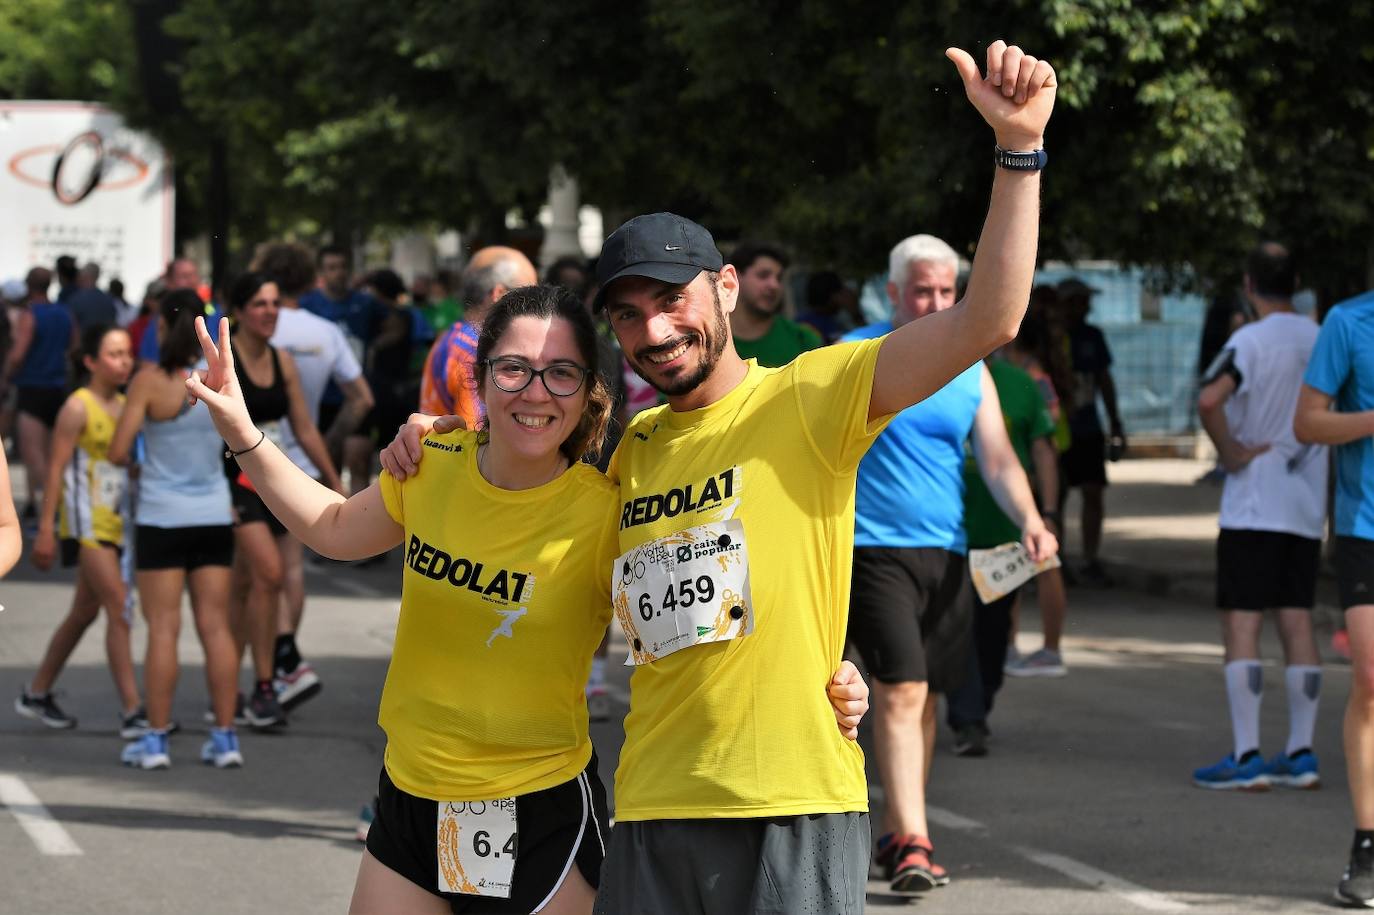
[{"x": 184, "y": 538}]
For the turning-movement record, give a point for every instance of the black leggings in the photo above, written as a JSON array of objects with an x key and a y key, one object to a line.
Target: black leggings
[{"x": 972, "y": 702}]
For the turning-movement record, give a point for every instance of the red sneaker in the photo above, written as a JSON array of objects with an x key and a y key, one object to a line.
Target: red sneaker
[{"x": 914, "y": 870}]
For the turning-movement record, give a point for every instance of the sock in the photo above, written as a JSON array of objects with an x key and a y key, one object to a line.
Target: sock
[
  {"x": 598, "y": 671},
  {"x": 1364, "y": 838},
  {"x": 1304, "y": 683},
  {"x": 1244, "y": 690},
  {"x": 285, "y": 655},
  {"x": 265, "y": 686}
]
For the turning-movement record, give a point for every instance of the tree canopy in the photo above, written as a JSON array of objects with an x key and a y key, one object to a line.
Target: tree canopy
[{"x": 1184, "y": 132}]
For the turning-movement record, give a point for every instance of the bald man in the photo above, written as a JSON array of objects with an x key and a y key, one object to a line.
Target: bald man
[{"x": 448, "y": 384}]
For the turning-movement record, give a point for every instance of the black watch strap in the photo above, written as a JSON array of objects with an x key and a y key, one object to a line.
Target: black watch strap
[{"x": 1032, "y": 161}]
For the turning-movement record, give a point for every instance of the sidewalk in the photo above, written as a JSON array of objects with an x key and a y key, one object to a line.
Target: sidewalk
[{"x": 1160, "y": 533}]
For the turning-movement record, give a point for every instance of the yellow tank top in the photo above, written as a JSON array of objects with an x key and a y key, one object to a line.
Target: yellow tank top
[
  {"x": 94, "y": 491},
  {"x": 503, "y": 603}
]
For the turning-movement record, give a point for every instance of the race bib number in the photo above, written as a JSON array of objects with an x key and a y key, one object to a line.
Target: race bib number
[
  {"x": 108, "y": 484},
  {"x": 476, "y": 847},
  {"x": 686, "y": 589},
  {"x": 1001, "y": 570}
]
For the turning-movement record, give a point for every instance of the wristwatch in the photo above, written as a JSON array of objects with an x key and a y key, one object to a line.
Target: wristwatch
[{"x": 1012, "y": 160}]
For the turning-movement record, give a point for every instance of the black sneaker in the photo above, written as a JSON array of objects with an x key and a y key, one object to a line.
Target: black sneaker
[
  {"x": 264, "y": 711},
  {"x": 1357, "y": 883},
  {"x": 135, "y": 724},
  {"x": 969, "y": 740},
  {"x": 240, "y": 713},
  {"x": 1094, "y": 576},
  {"x": 43, "y": 708}
]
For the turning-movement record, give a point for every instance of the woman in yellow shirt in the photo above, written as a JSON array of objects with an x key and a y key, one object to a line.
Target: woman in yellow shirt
[
  {"x": 93, "y": 496},
  {"x": 488, "y": 797}
]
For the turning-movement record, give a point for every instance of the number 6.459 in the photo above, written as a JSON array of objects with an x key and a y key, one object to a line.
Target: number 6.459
[{"x": 687, "y": 592}]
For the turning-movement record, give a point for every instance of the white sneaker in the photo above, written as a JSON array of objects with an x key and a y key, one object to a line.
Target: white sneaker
[
  {"x": 598, "y": 702},
  {"x": 1042, "y": 663},
  {"x": 294, "y": 687}
]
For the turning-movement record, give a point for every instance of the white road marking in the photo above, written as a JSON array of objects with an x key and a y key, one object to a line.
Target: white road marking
[
  {"x": 1101, "y": 880},
  {"x": 1076, "y": 870},
  {"x": 951, "y": 820},
  {"x": 34, "y": 818}
]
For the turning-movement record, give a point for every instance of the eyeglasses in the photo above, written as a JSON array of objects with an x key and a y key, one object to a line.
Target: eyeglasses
[{"x": 562, "y": 379}]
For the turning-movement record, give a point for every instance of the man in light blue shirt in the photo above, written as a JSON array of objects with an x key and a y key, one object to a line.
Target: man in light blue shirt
[
  {"x": 1341, "y": 375},
  {"x": 911, "y": 600}
]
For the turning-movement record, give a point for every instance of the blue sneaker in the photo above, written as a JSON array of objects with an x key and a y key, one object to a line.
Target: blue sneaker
[
  {"x": 148, "y": 752},
  {"x": 222, "y": 749},
  {"x": 1228, "y": 775},
  {"x": 1298, "y": 771}
]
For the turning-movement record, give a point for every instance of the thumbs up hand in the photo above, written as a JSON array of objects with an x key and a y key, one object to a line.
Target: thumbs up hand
[{"x": 1015, "y": 97}]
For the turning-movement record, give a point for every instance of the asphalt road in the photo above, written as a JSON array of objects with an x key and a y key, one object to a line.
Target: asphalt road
[{"x": 1083, "y": 805}]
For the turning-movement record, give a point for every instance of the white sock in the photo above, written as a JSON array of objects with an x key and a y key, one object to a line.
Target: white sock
[
  {"x": 1304, "y": 684},
  {"x": 1244, "y": 690},
  {"x": 598, "y": 671}
]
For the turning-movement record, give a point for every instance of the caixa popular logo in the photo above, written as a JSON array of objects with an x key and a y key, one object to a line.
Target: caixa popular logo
[{"x": 85, "y": 164}]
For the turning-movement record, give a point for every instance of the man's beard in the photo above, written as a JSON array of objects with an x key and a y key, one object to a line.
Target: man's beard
[{"x": 711, "y": 349}]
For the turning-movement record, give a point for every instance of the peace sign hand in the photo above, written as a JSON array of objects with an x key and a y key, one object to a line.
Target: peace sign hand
[
  {"x": 220, "y": 389},
  {"x": 1015, "y": 98}
]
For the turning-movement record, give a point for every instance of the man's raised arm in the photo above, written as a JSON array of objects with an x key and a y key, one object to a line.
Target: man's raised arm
[{"x": 1015, "y": 98}]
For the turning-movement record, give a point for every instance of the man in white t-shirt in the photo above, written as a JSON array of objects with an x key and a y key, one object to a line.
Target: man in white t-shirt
[
  {"x": 322, "y": 354},
  {"x": 1273, "y": 512}
]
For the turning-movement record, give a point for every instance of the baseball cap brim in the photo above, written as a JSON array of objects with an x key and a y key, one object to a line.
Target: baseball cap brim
[{"x": 676, "y": 274}]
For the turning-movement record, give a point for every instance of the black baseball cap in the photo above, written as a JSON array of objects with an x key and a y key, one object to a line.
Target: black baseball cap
[{"x": 661, "y": 246}]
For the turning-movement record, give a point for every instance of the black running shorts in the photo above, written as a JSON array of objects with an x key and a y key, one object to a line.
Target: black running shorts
[
  {"x": 557, "y": 828},
  {"x": 1085, "y": 461},
  {"x": 43, "y": 404},
  {"x": 1355, "y": 571},
  {"x": 186, "y": 548},
  {"x": 911, "y": 614},
  {"x": 1265, "y": 570},
  {"x": 249, "y": 508}
]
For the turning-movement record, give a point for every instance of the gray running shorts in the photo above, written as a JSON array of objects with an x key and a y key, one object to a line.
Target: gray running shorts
[{"x": 783, "y": 865}]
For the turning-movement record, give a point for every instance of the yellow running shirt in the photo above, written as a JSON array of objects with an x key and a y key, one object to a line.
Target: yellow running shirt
[
  {"x": 744, "y": 728},
  {"x": 94, "y": 491},
  {"x": 503, "y": 603}
]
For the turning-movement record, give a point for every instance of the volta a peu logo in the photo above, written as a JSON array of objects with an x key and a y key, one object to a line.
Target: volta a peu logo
[{"x": 88, "y": 162}]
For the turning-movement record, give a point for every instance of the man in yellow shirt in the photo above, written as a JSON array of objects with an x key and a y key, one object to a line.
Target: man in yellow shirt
[{"x": 734, "y": 792}]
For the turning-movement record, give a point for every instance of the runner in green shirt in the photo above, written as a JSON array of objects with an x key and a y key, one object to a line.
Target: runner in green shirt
[
  {"x": 1030, "y": 428},
  {"x": 760, "y": 329}
]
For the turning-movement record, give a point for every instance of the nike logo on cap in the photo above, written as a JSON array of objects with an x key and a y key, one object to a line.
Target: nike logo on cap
[{"x": 672, "y": 247}]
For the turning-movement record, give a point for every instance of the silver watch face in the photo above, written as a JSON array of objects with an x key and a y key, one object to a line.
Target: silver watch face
[{"x": 1021, "y": 161}]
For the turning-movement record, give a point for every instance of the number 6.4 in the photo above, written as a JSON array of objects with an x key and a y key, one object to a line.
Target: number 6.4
[{"x": 482, "y": 845}]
